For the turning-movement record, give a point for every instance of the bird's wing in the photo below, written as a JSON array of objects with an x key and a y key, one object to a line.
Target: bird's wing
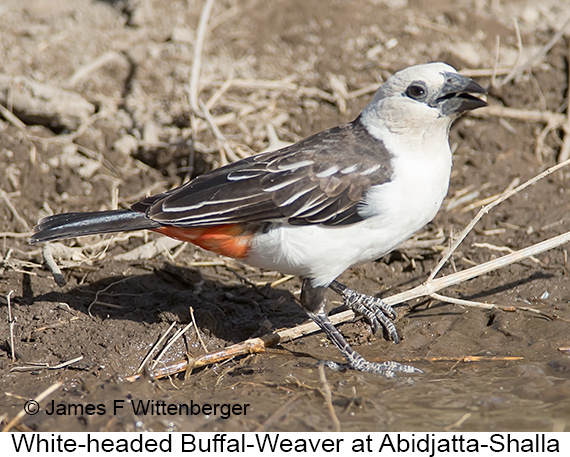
[{"x": 320, "y": 180}]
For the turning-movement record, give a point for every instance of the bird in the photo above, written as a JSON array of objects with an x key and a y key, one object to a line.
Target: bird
[{"x": 339, "y": 198}]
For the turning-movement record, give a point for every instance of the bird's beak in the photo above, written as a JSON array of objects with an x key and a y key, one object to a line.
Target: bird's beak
[{"x": 455, "y": 95}]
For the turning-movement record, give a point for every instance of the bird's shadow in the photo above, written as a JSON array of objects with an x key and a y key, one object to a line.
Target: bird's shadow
[{"x": 229, "y": 312}]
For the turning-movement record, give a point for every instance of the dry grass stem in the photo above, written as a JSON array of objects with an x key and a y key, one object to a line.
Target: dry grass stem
[
  {"x": 70, "y": 137},
  {"x": 170, "y": 342},
  {"x": 434, "y": 26},
  {"x": 282, "y": 280},
  {"x": 225, "y": 148},
  {"x": 179, "y": 250},
  {"x": 251, "y": 346},
  {"x": 532, "y": 61},
  {"x": 501, "y": 249},
  {"x": 517, "y": 66},
  {"x": 154, "y": 347},
  {"x": 474, "y": 304},
  {"x": 197, "y": 60},
  {"x": 465, "y": 195},
  {"x": 207, "y": 263},
  {"x": 327, "y": 394},
  {"x": 433, "y": 285},
  {"x": 46, "y": 393},
  {"x": 96, "y": 300},
  {"x": 274, "y": 142},
  {"x": 340, "y": 92},
  {"x": 369, "y": 89},
  {"x": 415, "y": 244},
  {"x": 12, "y": 118},
  {"x": 11, "y": 323},
  {"x": 506, "y": 195},
  {"x": 58, "y": 323},
  {"x": 488, "y": 200},
  {"x": 197, "y": 330},
  {"x": 565, "y": 149},
  {"x": 528, "y": 115},
  {"x": 85, "y": 70},
  {"x": 220, "y": 91},
  {"x": 47, "y": 253},
  {"x": 285, "y": 84},
  {"x": 496, "y": 61},
  {"x": 59, "y": 366},
  {"x": 458, "y": 423},
  {"x": 14, "y": 211},
  {"x": 15, "y": 234},
  {"x": 149, "y": 250}
]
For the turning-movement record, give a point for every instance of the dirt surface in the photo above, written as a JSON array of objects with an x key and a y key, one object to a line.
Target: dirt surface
[{"x": 297, "y": 66}]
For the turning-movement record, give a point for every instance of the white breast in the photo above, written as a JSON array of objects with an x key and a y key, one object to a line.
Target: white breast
[{"x": 393, "y": 212}]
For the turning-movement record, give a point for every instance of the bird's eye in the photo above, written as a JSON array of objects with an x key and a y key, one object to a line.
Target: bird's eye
[{"x": 416, "y": 91}]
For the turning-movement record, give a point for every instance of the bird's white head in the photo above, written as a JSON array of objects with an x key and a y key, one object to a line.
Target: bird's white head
[{"x": 421, "y": 98}]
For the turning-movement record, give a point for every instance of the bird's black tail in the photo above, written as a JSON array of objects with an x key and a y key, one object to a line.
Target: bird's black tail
[{"x": 69, "y": 225}]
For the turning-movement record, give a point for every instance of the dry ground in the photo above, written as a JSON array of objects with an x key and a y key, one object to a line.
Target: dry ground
[{"x": 100, "y": 94}]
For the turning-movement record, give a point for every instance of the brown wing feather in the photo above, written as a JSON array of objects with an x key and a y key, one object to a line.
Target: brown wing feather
[{"x": 320, "y": 180}]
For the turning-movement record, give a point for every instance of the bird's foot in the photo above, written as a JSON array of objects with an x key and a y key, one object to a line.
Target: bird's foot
[
  {"x": 378, "y": 313},
  {"x": 359, "y": 363},
  {"x": 355, "y": 360}
]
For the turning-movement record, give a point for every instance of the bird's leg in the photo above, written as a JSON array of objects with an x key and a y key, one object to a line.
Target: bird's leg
[
  {"x": 313, "y": 300},
  {"x": 374, "y": 309}
]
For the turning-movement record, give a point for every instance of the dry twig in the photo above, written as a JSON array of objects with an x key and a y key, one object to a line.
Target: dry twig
[
  {"x": 99, "y": 292},
  {"x": 46, "y": 393},
  {"x": 11, "y": 324},
  {"x": 85, "y": 70},
  {"x": 14, "y": 211},
  {"x": 197, "y": 60},
  {"x": 327, "y": 394},
  {"x": 528, "y": 115},
  {"x": 488, "y": 208},
  {"x": 170, "y": 342},
  {"x": 457, "y": 423},
  {"x": 474, "y": 304},
  {"x": 197, "y": 330},
  {"x": 565, "y": 149},
  {"x": 536, "y": 57},
  {"x": 35, "y": 366},
  {"x": 12, "y": 118},
  {"x": 52, "y": 266},
  {"x": 154, "y": 347}
]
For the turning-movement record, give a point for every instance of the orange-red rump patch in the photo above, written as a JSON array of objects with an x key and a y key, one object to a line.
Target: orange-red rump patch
[{"x": 231, "y": 240}]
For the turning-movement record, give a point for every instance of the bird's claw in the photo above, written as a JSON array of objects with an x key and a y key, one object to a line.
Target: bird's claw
[
  {"x": 359, "y": 363},
  {"x": 376, "y": 311}
]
